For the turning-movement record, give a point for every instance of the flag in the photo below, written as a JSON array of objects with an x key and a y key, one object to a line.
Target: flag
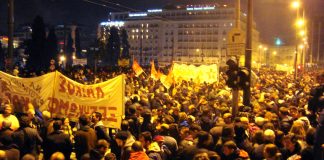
[
  {"x": 137, "y": 68},
  {"x": 158, "y": 74},
  {"x": 154, "y": 73},
  {"x": 167, "y": 81}
]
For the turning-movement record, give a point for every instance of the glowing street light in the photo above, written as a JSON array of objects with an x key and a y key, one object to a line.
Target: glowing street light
[
  {"x": 301, "y": 46},
  {"x": 62, "y": 58},
  {"x": 274, "y": 52},
  {"x": 300, "y": 23},
  {"x": 295, "y": 4},
  {"x": 302, "y": 33}
]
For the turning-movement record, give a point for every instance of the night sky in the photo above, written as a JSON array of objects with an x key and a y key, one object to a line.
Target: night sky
[{"x": 274, "y": 18}]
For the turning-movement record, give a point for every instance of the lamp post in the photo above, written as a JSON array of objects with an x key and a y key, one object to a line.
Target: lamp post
[
  {"x": 260, "y": 47},
  {"x": 274, "y": 54},
  {"x": 10, "y": 33},
  {"x": 265, "y": 49},
  {"x": 95, "y": 53},
  {"x": 301, "y": 47},
  {"x": 197, "y": 53},
  {"x": 62, "y": 61},
  {"x": 202, "y": 57},
  {"x": 296, "y": 5}
]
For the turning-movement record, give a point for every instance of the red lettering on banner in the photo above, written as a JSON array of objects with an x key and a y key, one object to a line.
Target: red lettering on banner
[
  {"x": 64, "y": 105},
  {"x": 83, "y": 91},
  {"x": 73, "y": 111},
  {"x": 70, "y": 87},
  {"x": 112, "y": 108},
  {"x": 78, "y": 91},
  {"x": 53, "y": 105},
  {"x": 25, "y": 101},
  {"x": 81, "y": 109},
  {"x": 100, "y": 93},
  {"x": 18, "y": 101},
  {"x": 62, "y": 84},
  {"x": 90, "y": 93},
  {"x": 112, "y": 117},
  {"x": 103, "y": 111},
  {"x": 93, "y": 108},
  {"x": 86, "y": 110},
  {"x": 14, "y": 99}
]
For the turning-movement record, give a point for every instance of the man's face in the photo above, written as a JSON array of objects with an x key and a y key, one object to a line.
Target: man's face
[
  {"x": 94, "y": 119},
  {"x": 142, "y": 140},
  {"x": 228, "y": 120},
  {"x": 288, "y": 144},
  {"x": 8, "y": 110},
  {"x": 119, "y": 142},
  {"x": 103, "y": 149},
  {"x": 227, "y": 151},
  {"x": 294, "y": 113}
]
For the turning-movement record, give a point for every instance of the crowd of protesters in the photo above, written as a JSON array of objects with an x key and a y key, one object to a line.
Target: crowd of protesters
[{"x": 188, "y": 121}]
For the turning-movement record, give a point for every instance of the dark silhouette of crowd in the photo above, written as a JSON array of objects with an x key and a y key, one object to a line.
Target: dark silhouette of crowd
[{"x": 187, "y": 121}]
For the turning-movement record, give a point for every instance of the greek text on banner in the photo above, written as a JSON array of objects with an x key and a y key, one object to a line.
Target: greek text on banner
[{"x": 63, "y": 96}]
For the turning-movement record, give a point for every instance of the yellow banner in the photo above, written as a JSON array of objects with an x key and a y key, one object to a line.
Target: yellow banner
[
  {"x": 61, "y": 95},
  {"x": 201, "y": 74},
  {"x": 22, "y": 91}
]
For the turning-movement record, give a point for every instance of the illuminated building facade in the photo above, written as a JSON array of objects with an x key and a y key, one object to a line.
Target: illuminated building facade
[{"x": 192, "y": 34}]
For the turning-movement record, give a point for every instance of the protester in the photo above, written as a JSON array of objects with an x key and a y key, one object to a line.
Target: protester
[
  {"x": 99, "y": 127},
  {"x": 27, "y": 138},
  {"x": 85, "y": 137},
  {"x": 188, "y": 121},
  {"x": 57, "y": 141},
  {"x": 7, "y": 114}
]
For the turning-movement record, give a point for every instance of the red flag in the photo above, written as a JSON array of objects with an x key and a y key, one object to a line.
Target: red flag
[{"x": 137, "y": 68}]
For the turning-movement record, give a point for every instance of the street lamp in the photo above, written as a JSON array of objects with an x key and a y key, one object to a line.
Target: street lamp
[
  {"x": 302, "y": 33},
  {"x": 62, "y": 61},
  {"x": 295, "y": 4},
  {"x": 265, "y": 54},
  {"x": 274, "y": 57},
  {"x": 197, "y": 53},
  {"x": 62, "y": 58},
  {"x": 300, "y": 22},
  {"x": 274, "y": 52}
]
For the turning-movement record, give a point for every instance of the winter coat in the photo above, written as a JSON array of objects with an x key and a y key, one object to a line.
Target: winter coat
[
  {"x": 85, "y": 140},
  {"x": 138, "y": 156}
]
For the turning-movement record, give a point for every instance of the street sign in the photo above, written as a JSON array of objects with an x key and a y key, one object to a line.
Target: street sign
[{"x": 235, "y": 42}]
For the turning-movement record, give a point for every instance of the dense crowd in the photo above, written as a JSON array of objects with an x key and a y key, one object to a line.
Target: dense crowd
[{"x": 188, "y": 121}]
